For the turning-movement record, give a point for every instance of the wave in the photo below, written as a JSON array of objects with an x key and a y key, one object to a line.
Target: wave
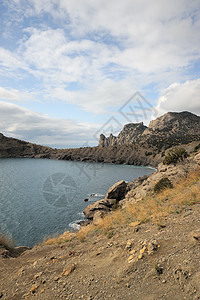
[
  {"x": 75, "y": 225},
  {"x": 95, "y": 195}
]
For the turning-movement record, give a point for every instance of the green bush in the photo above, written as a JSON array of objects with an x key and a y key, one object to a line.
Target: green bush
[
  {"x": 162, "y": 184},
  {"x": 175, "y": 156}
]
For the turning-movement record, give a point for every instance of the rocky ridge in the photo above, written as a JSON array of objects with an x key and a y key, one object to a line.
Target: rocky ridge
[{"x": 168, "y": 130}]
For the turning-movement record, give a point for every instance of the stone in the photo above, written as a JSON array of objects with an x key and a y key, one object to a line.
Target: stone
[
  {"x": 128, "y": 245},
  {"x": 141, "y": 255},
  {"x": 34, "y": 288},
  {"x": 102, "y": 206},
  {"x": 68, "y": 270},
  {"x": 38, "y": 275},
  {"x": 134, "y": 224},
  {"x": 117, "y": 191},
  {"x": 131, "y": 259},
  {"x": 132, "y": 251},
  {"x": 143, "y": 250},
  {"x": 152, "y": 246}
]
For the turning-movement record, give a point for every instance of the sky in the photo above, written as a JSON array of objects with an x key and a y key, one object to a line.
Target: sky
[{"x": 72, "y": 69}]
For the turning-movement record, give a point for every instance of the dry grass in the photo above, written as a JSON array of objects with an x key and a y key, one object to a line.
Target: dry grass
[
  {"x": 59, "y": 239},
  {"x": 153, "y": 208},
  {"x": 82, "y": 233}
]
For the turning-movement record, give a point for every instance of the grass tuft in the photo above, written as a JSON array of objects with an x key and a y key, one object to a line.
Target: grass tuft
[{"x": 57, "y": 239}]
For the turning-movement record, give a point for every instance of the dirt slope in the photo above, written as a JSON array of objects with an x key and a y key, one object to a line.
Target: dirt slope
[{"x": 102, "y": 268}]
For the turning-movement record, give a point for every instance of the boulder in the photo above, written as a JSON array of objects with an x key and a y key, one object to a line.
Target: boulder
[
  {"x": 117, "y": 191},
  {"x": 114, "y": 195},
  {"x": 103, "y": 205}
]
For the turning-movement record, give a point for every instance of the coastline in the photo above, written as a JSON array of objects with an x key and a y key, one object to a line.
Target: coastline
[{"x": 119, "y": 255}]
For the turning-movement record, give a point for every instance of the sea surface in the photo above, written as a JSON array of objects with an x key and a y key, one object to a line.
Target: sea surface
[{"x": 41, "y": 197}]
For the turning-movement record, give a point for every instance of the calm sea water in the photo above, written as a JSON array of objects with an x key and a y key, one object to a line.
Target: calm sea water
[{"x": 41, "y": 197}]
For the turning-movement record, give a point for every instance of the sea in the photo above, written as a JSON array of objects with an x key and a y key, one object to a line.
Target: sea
[{"x": 42, "y": 197}]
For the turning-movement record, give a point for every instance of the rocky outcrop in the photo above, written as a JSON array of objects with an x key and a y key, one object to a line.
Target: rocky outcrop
[
  {"x": 129, "y": 135},
  {"x": 183, "y": 123},
  {"x": 7, "y": 251},
  {"x": 102, "y": 206},
  {"x": 113, "y": 196},
  {"x": 117, "y": 191},
  {"x": 139, "y": 188},
  {"x": 168, "y": 130}
]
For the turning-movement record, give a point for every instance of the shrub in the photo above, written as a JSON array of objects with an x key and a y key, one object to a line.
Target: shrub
[
  {"x": 197, "y": 148},
  {"x": 163, "y": 184},
  {"x": 175, "y": 156}
]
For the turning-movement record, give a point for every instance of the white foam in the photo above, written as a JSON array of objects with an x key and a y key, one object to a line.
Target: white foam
[
  {"x": 74, "y": 225},
  {"x": 96, "y": 195}
]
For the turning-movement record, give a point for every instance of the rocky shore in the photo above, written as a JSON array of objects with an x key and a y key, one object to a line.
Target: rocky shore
[{"x": 123, "y": 193}]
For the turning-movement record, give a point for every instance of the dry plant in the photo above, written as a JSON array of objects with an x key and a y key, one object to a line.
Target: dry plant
[
  {"x": 59, "y": 239},
  {"x": 82, "y": 233},
  {"x": 152, "y": 208}
]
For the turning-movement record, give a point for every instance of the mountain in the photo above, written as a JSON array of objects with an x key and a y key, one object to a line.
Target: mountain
[{"x": 168, "y": 130}]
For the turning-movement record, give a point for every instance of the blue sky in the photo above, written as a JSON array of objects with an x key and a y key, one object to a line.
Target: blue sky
[{"x": 68, "y": 67}]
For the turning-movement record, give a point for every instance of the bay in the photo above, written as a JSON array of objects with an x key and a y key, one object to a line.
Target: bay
[{"x": 40, "y": 197}]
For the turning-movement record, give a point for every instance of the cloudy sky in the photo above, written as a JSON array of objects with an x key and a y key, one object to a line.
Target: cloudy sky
[{"x": 71, "y": 69}]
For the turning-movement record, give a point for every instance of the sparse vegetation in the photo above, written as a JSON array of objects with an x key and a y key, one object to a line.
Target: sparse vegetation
[
  {"x": 175, "y": 155},
  {"x": 59, "y": 239},
  {"x": 153, "y": 208},
  {"x": 162, "y": 184}
]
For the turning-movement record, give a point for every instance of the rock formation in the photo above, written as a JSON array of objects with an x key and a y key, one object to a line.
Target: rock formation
[
  {"x": 166, "y": 131},
  {"x": 113, "y": 196}
]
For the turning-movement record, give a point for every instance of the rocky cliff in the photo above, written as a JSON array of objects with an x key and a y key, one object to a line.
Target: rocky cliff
[{"x": 168, "y": 130}]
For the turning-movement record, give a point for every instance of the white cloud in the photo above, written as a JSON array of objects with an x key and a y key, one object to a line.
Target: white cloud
[
  {"x": 19, "y": 122},
  {"x": 15, "y": 95},
  {"x": 180, "y": 97},
  {"x": 110, "y": 48}
]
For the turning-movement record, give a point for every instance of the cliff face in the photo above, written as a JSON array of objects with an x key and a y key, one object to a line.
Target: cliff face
[
  {"x": 168, "y": 130},
  {"x": 129, "y": 135}
]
